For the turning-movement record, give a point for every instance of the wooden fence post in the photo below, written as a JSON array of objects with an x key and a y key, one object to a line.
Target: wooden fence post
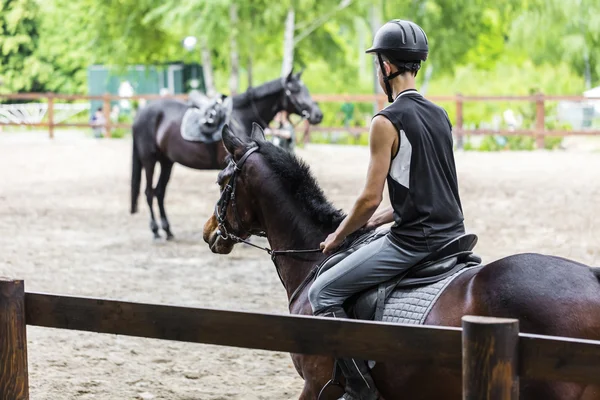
[
  {"x": 489, "y": 358},
  {"x": 540, "y": 124},
  {"x": 14, "y": 382},
  {"x": 459, "y": 121},
  {"x": 106, "y": 109},
  {"x": 51, "y": 115}
]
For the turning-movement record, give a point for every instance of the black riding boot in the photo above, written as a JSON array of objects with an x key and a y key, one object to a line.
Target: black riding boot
[{"x": 359, "y": 383}]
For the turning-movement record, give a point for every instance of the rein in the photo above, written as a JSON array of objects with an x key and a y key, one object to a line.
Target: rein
[{"x": 228, "y": 195}]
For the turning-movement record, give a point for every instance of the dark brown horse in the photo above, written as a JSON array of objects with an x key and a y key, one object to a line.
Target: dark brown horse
[
  {"x": 157, "y": 137},
  {"x": 276, "y": 194}
]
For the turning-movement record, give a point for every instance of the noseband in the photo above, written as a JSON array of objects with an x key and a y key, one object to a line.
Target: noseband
[
  {"x": 287, "y": 96},
  {"x": 227, "y": 196}
]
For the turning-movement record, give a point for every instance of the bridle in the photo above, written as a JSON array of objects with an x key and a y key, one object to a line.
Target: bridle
[
  {"x": 227, "y": 196},
  {"x": 287, "y": 96}
]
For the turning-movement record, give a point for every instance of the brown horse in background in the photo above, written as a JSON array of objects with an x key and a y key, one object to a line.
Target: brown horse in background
[
  {"x": 275, "y": 194},
  {"x": 157, "y": 137}
]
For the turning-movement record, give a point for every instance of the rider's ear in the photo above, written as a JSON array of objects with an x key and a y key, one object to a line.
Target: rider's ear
[
  {"x": 231, "y": 142},
  {"x": 257, "y": 133}
]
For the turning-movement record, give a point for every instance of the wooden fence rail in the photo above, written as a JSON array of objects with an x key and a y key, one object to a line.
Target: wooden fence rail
[
  {"x": 539, "y": 130},
  {"x": 477, "y": 351}
]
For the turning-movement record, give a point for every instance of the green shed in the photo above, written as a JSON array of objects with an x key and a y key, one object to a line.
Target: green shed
[{"x": 173, "y": 78}]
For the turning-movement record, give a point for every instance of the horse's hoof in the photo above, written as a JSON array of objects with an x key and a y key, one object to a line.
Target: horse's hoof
[
  {"x": 156, "y": 236},
  {"x": 170, "y": 236}
]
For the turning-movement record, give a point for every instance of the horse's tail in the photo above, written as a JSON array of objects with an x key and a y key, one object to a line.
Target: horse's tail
[{"x": 136, "y": 176}]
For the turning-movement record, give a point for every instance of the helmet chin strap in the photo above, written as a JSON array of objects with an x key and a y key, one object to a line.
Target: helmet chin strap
[{"x": 387, "y": 79}]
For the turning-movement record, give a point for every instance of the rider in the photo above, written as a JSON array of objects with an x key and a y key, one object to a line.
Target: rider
[
  {"x": 411, "y": 147},
  {"x": 283, "y": 134}
]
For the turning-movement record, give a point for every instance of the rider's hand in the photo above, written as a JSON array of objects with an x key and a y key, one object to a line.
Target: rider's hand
[
  {"x": 331, "y": 243},
  {"x": 371, "y": 224}
]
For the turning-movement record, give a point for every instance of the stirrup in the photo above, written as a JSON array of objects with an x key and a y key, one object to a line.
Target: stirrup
[
  {"x": 331, "y": 382},
  {"x": 334, "y": 381},
  {"x": 359, "y": 382}
]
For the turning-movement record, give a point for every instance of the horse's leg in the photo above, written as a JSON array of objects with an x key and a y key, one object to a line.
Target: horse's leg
[
  {"x": 149, "y": 168},
  {"x": 592, "y": 392},
  {"x": 316, "y": 372},
  {"x": 533, "y": 390},
  {"x": 161, "y": 187}
]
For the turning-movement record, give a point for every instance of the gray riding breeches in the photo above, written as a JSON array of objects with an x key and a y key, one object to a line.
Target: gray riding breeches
[{"x": 370, "y": 265}]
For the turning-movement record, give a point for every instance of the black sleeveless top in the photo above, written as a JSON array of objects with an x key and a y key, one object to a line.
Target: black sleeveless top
[{"x": 422, "y": 180}]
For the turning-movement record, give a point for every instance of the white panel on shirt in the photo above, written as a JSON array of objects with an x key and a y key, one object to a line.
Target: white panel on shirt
[{"x": 400, "y": 170}]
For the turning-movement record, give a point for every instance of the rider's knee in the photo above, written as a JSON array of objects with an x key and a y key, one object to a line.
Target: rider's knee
[{"x": 314, "y": 297}]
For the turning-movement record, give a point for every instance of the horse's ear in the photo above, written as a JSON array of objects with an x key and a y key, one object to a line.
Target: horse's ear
[
  {"x": 289, "y": 77},
  {"x": 231, "y": 142},
  {"x": 299, "y": 74},
  {"x": 257, "y": 133}
]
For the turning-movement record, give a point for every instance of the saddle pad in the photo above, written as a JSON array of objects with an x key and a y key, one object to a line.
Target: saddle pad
[
  {"x": 412, "y": 305},
  {"x": 191, "y": 127}
]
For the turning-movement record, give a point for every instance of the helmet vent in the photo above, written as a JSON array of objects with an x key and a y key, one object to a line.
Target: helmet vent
[
  {"x": 398, "y": 22},
  {"x": 414, "y": 34}
]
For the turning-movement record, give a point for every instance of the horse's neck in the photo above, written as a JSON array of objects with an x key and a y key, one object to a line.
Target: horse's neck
[
  {"x": 262, "y": 111},
  {"x": 297, "y": 233}
]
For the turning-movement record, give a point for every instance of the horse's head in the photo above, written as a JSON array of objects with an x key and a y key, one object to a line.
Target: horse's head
[
  {"x": 235, "y": 216},
  {"x": 266, "y": 189},
  {"x": 298, "y": 99}
]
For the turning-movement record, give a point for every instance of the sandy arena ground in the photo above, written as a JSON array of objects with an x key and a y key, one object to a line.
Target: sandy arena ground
[{"x": 66, "y": 228}]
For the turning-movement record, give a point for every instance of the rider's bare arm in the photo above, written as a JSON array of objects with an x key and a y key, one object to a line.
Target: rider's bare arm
[{"x": 383, "y": 137}]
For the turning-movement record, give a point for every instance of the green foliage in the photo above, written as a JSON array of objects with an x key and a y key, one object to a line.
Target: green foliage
[
  {"x": 511, "y": 143},
  {"x": 339, "y": 137},
  {"x": 553, "y": 142},
  {"x": 39, "y": 49},
  {"x": 459, "y": 31},
  {"x": 551, "y": 31},
  {"x": 20, "y": 67},
  {"x": 511, "y": 47},
  {"x": 506, "y": 78},
  {"x": 500, "y": 143},
  {"x": 119, "y": 133}
]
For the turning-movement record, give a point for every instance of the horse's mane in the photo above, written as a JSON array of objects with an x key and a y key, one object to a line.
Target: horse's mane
[
  {"x": 296, "y": 177},
  {"x": 259, "y": 92}
]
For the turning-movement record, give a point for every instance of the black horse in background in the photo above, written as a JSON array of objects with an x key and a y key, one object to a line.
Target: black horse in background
[{"x": 157, "y": 136}]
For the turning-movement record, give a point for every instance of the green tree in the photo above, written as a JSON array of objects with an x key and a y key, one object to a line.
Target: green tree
[
  {"x": 67, "y": 52},
  {"x": 20, "y": 67},
  {"x": 552, "y": 31}
]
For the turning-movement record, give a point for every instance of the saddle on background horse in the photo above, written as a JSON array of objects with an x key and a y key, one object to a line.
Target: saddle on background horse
[
  {"x": 438, "y": 267},
  {"x": 204, "y": 120}
]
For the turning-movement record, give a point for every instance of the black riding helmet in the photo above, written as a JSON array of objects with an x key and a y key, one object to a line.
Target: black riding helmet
[{"x": 402, "y": 42}]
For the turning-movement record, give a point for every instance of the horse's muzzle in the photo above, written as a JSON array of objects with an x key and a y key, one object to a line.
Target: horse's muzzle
[{"x": 316, "y": 116}]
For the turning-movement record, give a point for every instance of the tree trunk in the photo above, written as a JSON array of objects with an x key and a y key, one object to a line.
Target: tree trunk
[
  {"x": 375, "y": 22},
  {"x": 288, "y": 43},
  {"x": 318, "y": 22},
  {"x": 234, "y": 78},
  {"x": 249, "y": 71},
  {"x": 209, "y": 82},
  {"x": 362, "y": 46}
]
